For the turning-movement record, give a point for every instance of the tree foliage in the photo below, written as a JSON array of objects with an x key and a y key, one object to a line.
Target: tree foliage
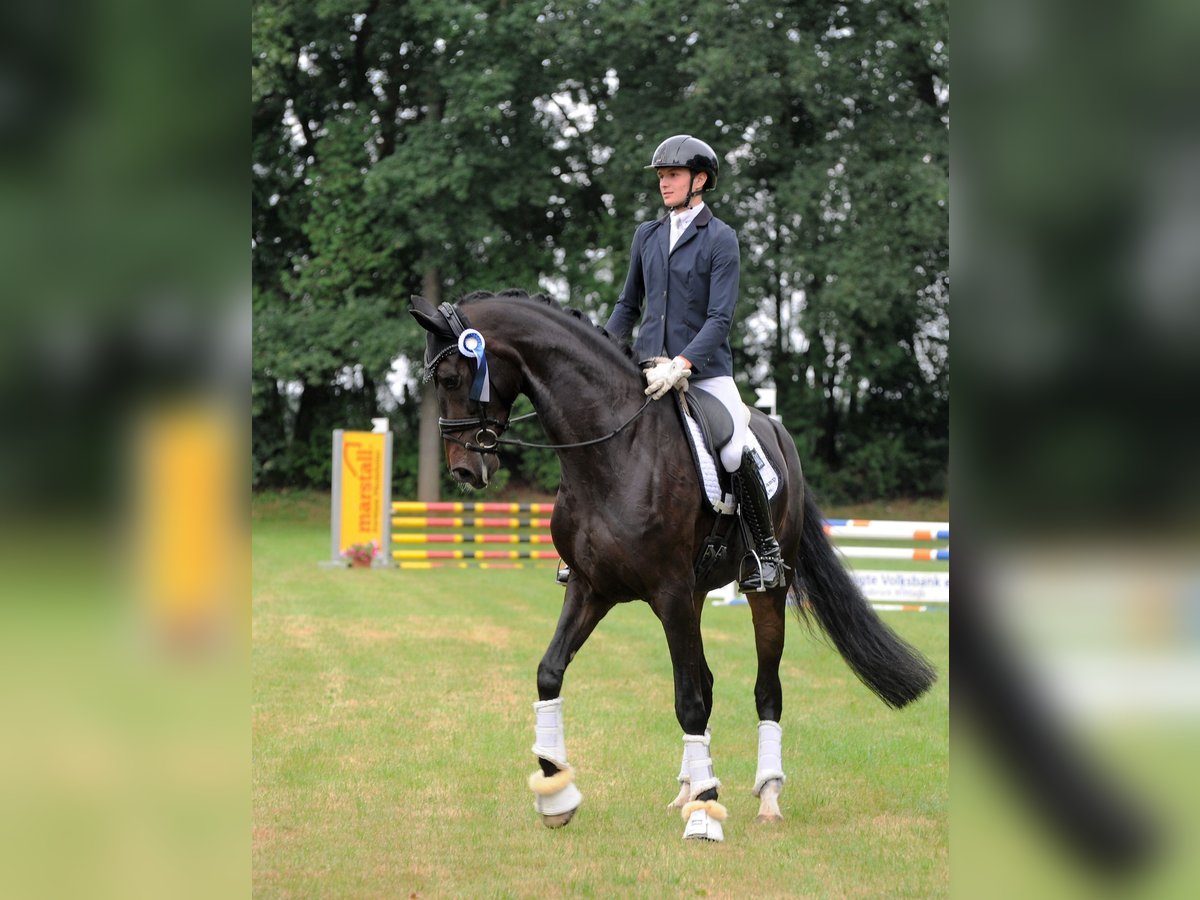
[{"x": 504, "y": 144}]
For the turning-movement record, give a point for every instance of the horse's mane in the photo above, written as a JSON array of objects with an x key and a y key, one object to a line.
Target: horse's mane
[{"x": 577, "y": 314}]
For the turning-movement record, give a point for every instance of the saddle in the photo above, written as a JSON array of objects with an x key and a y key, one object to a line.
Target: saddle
[{"x": 709, "y": 427}]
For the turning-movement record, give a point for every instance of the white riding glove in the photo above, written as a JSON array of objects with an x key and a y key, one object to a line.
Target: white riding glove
[{"x": 664, "y": 376}]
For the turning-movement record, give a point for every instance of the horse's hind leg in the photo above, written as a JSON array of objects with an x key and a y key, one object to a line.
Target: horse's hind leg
[
  {"x": 555, "y": 794},
  {"x": 767, "y": 611}
]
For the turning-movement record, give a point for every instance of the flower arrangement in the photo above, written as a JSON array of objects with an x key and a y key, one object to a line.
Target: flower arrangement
[{"x": 361, "y": 555}]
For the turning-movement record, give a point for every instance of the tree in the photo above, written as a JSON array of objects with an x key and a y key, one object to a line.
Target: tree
[
  {"x": 470, "y": 147},
  {"x": 381, "y": 161}
]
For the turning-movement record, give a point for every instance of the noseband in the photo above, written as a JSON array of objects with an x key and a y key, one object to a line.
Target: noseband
[{"x": 487, "y": 435}]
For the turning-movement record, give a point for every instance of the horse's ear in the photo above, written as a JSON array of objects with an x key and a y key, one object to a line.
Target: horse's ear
[{"x": 427, "y": 316}]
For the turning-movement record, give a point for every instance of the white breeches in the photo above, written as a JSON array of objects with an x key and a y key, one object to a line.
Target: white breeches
[{"x": 724, "y": 389}]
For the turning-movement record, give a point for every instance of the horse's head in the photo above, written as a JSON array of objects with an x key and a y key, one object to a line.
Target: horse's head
[{"x": 474, "y": 395}]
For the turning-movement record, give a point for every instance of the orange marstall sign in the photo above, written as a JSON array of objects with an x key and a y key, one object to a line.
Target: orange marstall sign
[{"x": 362, "y": 489}]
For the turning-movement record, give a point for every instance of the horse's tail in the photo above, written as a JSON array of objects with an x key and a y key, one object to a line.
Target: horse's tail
[{"x": 894, "y": 670}]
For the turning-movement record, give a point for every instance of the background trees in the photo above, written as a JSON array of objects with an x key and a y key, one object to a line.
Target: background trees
[{"x": 446, "y": 147}]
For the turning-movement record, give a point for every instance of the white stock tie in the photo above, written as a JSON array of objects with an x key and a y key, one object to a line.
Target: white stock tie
[{"x": 677, "y": 229}]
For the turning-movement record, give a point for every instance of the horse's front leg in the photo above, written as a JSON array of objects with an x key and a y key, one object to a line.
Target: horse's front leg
[
  {"x": 685, "y": 775},
  {"x": 555, "y": 795},
  {"x": 693, "y": 703}
]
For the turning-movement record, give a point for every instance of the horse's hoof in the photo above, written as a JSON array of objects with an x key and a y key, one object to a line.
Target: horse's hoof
[
  {"x": 768, "y": 808},
  {"x": 558, "y": 821}
]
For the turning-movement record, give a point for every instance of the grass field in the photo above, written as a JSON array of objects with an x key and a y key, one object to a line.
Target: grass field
[{"x": 392, "y": 723}]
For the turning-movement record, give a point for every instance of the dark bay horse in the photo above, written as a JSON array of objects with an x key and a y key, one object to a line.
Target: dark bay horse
[{"x": 629, "y": 519}]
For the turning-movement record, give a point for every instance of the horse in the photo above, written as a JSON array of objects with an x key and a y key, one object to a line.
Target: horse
[{"x": 630, "y": 519}]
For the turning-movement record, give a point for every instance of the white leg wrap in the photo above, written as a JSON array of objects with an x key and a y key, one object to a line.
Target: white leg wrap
[
  {"x": 549, "y": 743},
  {"x": 699, "y": 763},
  {"x": 703, "y": 817},
  {"x": 685, "y": 771},
  {"x": 770, "y": 755},
  {"x": 556, "y": 794}
]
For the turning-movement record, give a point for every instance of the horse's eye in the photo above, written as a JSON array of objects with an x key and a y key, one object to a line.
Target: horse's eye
[{"x": 451, "y": 381}]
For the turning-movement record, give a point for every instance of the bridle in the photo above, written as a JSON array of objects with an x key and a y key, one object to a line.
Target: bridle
[
  {"x": 488, "y": 428},
  {"x": 493, "y": 428}
]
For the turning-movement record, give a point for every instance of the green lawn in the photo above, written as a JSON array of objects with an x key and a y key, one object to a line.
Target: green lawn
[{"x": 392, "y": 724}]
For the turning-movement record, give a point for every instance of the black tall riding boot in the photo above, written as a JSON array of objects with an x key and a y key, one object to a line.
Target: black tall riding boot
[{"x": 764, "y": 567}]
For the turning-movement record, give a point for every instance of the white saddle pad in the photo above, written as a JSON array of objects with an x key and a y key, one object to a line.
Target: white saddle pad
[{"x": 708, "y": 466}]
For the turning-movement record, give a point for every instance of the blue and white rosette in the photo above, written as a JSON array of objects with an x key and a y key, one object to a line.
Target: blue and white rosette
[{"x": 470, "y": 344}]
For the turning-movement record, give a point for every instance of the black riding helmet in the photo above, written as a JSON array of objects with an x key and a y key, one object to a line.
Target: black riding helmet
[{"x": 686, "y": 152}]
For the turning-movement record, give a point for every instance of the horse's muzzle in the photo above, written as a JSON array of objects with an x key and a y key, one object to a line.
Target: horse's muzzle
[
  {"x": 471, "y": 468},
  {"x": 464, "y": 475}
]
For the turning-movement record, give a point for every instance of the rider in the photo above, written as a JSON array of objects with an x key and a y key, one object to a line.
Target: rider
[{"x": 685, "y": 272}]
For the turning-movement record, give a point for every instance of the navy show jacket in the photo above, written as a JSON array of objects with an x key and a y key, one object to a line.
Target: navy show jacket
[{"x": 689, "y": 293}]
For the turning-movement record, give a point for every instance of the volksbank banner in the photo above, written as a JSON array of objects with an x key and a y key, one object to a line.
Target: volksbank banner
[{"x": 904, "y": 587}]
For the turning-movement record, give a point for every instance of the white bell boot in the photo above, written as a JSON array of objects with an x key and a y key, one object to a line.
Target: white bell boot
[
  {"x": 703, "y": 817},
  {"x": 769, "y": 777},
  {"x": 556, "y": 797}
]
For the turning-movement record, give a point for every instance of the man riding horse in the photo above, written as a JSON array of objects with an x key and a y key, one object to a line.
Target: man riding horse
[{"x": 684, "y": 269}]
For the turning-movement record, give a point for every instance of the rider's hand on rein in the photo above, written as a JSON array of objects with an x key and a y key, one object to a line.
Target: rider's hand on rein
[{"x": 666, "y": 375}]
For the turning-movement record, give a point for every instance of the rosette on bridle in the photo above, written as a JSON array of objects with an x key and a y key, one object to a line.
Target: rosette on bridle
[
  {"x": 471, "y": 345},
  {"x": 465, "y": 340}
]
